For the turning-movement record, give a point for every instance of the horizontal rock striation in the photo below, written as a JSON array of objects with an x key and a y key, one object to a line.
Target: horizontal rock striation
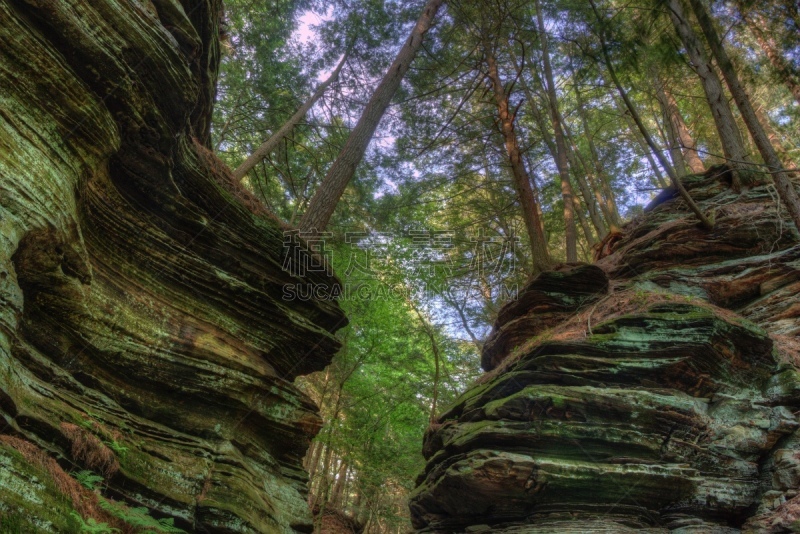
[
  {"x": 143, "y": 333},
  {"x": 653, "y": 391}
]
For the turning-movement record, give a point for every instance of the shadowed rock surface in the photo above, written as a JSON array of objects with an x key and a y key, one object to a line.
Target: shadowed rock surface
[
  {"x": 654, "y": 391},
  {"x": 142, "y": 330}
]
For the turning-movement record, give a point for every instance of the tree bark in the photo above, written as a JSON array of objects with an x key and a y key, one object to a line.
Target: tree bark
[
  {"x": 670, "y": 138},
  {"x": 587, "y": 231},
  {"x": 520, "y": 176},
  {"x": 603, "y": 191},
  {"x": 783, "y": 184},
  {"x": 585, "y": 189},
  {"x": 561, "y": 148},
  {"x": 674, "y": 147},
  {"x": 270, "y": 144},
  {"x": 323, "y": 487},
  {"x": 437, "y": 359},
  {"x": 324, "y": 201},
  {"x": 704, "y": 220},
  {"x": 786, "y": 73},
  {"x": 729, "y": 134},
  {"x": 647, "y": 150},
  {"x": 676, "y": 125},
  {"x": 313, "y": 460},
  {"x": 338, "y": 487},
  {"x": 573, "y": 164},
  {"x": 775, "y": 140}
]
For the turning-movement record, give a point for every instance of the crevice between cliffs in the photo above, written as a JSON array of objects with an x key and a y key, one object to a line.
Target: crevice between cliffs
[{"x": 144, "y": 340}]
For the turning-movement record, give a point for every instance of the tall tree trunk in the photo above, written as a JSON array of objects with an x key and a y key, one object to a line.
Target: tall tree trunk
[
  {"x": 672, "y": 142},
  {"x": 313, "y": 464},
  {"x": 320, "y": 495},
  {"x": 647, "y": 150},
  {"x": 757, "y": 25},
  {"x": 315, "y": 452},
  {"x": 585, "y": 189},
  {"x": 573, "y": 164},
  {"x": 775, "y": 139},
  {"x": 521, "y": 178},
  {"x": 587, "y": 231},
  {"x": 437, "y": 373},
  {"x": 271, "y": 144},
  {"x": 561, "y": 148},
  {"x": 323, "y": 487},
  {"x": 328, "y": 474},
  {"x": 783, "y": 184},
  {"x": 344, "y": 499},
  {"x": 587, "y": 184},
  {"x": 324, "y": 201},
  {"x": 680, "y": 131},
  {"x": 602, "y": 187},
  {"x": 437, "y": 359},
  {"x": 706, "y": 222},
  {"x": 729, "y": 134},
  {"x": 338, "y": 488},
  {"x": 668, "y": 133}
]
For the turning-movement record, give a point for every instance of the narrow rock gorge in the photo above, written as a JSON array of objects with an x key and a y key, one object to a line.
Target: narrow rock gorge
[
  {"x": 148, "y": 355},
  {"x": 653, "y": 391},
  {"x": 143, "y": 336}
]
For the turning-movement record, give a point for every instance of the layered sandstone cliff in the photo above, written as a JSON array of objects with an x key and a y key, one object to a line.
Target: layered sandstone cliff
[
  {"x": 143, "y": 336},
  {"x": 653, "y": 391}
]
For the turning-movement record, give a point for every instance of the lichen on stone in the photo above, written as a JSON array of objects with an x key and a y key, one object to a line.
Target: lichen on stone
[{"x": 664, "y": 401}]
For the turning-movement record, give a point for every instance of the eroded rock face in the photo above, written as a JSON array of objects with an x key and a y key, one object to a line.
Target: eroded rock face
[
  {"x": 661, "y": 400},
  {"x": 141, "y": 301}
]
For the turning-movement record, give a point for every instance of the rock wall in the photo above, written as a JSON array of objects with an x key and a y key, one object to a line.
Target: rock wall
[
  {"x": 142, "y": 331},
  {"x": 653, "y": 391}
]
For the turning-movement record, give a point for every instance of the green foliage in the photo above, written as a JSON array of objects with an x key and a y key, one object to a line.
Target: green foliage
[
  {"x": 438, "y": 163},
  {"x": 640, "y": 297},
  {"x": 11, "y": 523},
  {"x": 376, "y": 397},
  {"x": 88, "y": 479},
  {"x": 118, "y": 448},
  {"x": 140, "y": 518},
  {"x": 87, "y": 424},
  {"x": 91, "y": 526}
]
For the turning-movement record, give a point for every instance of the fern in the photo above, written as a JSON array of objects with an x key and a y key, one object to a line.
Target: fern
[
  {"x": 87, "y": 479},
  {"x": 140, "y": 517},
  {"x": 91, "y": 526},
  {"x": 120, "y": 449},
  {"x": 87, "y": 424}
]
